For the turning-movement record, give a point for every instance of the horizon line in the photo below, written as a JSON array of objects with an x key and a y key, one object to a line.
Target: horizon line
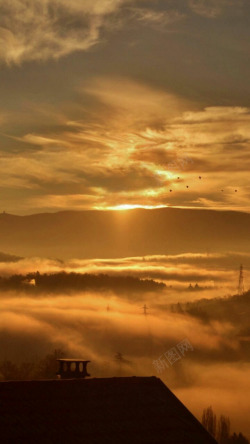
[{"x": 128, "y": 208}]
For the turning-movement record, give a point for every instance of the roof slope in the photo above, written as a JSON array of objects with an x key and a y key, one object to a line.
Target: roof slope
[{"x": 111, "y": 410}]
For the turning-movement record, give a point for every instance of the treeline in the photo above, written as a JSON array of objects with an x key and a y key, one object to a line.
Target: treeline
[
  {"x": 59, "y": 282},
  {"x": 234, "y": 308},
  {"x": 45, "y": 368},
  {"x": 220, "y": 428}
]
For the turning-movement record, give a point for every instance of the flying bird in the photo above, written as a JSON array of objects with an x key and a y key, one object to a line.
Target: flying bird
[
  {"x": 170, "y": 191},
  {"x": 200, "y": 177},
  {"x": 187, "y": 186},
  {"x": 235, "y": 191}
]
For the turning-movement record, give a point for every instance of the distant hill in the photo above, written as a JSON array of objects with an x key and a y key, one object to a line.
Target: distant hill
[
  {"x": 72, "y": 282},
  {"x": 234, "y": 309},
  {"x": 232, "y": 314},
  {"x": 109, "y": 234}
]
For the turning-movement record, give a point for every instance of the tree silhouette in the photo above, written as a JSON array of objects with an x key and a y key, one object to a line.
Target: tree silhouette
[
  {"x": 120, "y": 361},
  {"x": 209, "y": 421},
  {"x": 223, "y": 433},
  {"x": 238, "y": 439},
  {"x": 220, "y": 429},
  {"x": 48, "y": 366},
  {"x": 9, "y": 371}
]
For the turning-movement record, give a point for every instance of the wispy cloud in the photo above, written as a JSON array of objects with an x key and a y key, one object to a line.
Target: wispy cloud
[
  {"x": 208, "y": 8},
  {"x": 153, "y": 17},
  {"x": 39, "y": 30},
  {"x": 44, "y": 29}
]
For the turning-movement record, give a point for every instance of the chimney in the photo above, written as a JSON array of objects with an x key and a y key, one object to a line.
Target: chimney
[{"x": 72, "y": 368}]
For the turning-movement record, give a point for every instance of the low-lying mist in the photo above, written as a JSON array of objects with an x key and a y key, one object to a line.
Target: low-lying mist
[
  {"x": 101, "y": 326},
  {"x": 214, "y": 274}
]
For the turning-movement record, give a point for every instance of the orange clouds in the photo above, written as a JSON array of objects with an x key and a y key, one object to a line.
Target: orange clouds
[
  {"x": 40, "y": 30},
  {"x": 135, "y": 155}
]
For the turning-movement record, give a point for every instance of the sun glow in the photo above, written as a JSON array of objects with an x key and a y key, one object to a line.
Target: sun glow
[{"x": 124, "y": 207}]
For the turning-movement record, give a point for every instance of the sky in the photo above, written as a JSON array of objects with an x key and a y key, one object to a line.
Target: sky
[
  {"x": 117, "y": 104},
  {"x": 109, "y": 104}
]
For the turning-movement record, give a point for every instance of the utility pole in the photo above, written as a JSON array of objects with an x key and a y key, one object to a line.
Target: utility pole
[
  {"x": 119, "y": 360},
  {"x": 241, "y": 281},
  {"x": 145, "y": 310}
]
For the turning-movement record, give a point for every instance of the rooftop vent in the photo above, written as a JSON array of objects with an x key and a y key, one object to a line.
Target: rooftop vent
[{"x": 72, "y": 368}]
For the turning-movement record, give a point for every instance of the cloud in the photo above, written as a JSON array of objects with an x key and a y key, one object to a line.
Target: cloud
[
  {"x": 208, "y": 8},
  {"x": 129, "y": 150},
  {"x": 39, "y": 30},
  {"x": 214, "y": 9},
  {"x": 134, "y": 102},
  {"x": 44, "y": 29},
  {"x": 65, "y": 319},
  {"x": 50, "y": 29},
  {"x": 153, "y": 17},
  {"x": 217, "y": 114}
]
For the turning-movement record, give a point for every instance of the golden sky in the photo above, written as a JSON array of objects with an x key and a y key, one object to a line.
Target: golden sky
[{"x": 113, "y": 103}]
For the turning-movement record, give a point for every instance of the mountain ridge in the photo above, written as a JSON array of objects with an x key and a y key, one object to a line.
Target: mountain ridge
[{"x": 137, "y": 232}]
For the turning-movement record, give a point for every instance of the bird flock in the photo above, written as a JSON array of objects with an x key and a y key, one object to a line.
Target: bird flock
[{"x": 200, "y": 178}]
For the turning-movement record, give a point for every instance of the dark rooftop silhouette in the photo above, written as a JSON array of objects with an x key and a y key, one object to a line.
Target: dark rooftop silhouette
[
  {"x": 72, "y": 368},
  {"x": 113, "y": 410}
]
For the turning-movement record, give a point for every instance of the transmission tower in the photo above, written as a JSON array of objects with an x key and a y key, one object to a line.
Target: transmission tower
[
  {"x": 241, "y": 281},
  {"x": 145, "y": 310}
]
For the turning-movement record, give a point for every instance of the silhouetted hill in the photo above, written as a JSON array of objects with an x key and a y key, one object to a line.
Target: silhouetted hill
[
  {"x": 232, "y": 315},
  {"x": 91, "y": 234},
  {"x": 72, "y": 282},
  {"x": 234, "y": 309}
]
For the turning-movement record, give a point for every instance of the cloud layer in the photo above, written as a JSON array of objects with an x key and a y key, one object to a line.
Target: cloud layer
[
  {"x": 39, "y": 30},
  {"x": 141, "y": 93},
  {"x": 50, "y": 29},
  {"x": 216, "y": 274},
  {"x": 136, "y": 146}
]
